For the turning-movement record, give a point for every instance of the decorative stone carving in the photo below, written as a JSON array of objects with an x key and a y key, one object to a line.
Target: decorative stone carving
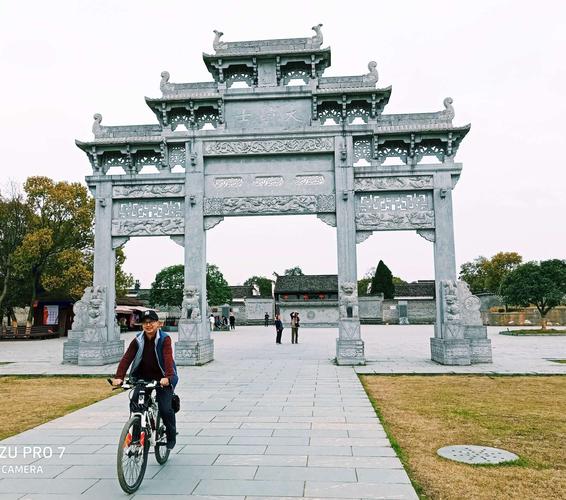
[
  {"x": 268, "y": 181},
  {"x": 362, "y": 150},
  {"x": 309, "y": 180},
  {"x": 80, "y": 311},
  {"x": 216, "y": 43},
  {"x": 210, "y": 222},
  {"x": 348, "y": 302},
  {"x": 316, "y": 40},
  {"x": 451, "y": 313},
  {"x": 390, "y": 220},
  {"x": 373, "y": 76},
  {"x": 469, "y": 305},
  {"x": 270, "y": 205},
  {"x": 350, "y": 330},
  {"x": 393, "y": 183},
  {"x": 96, "y": 315},
  {"x": 149, "y": 209},
  {"x": 164, "y": 84},
  {"x": 448, "y": 112},
  {"x": 190, "y": 307},
  {"x": 147, "y": 227},
  {"x": 148, "y": 191},
  {"x": 228, "y": 182},
  {"x": 177, "y": 156},
  {"x": 427, "y": 234},
  {"x": 268, "y": 146},
  {"x": 362, "y": 236},
  {"x": 329, "y": 219},
  {"x": 96, "y": 128}
]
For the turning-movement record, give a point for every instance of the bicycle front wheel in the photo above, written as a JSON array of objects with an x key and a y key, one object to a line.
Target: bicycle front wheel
[
  {"x": 161, "y": 450},
  {"x": 133, "y": 449}
]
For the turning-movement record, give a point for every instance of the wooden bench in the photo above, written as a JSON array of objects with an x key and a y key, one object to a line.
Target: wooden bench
[{"x": 36, "y": 332}]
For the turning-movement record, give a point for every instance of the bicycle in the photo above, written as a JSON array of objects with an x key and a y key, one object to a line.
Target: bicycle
[{"x": 143, "y": 429}]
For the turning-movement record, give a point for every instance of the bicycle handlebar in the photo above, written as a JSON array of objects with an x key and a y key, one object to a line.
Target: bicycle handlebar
[{"x": 129, "y": 383}]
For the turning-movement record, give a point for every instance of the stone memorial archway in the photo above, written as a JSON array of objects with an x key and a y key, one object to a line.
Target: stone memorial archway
[{"x": 274, "y": 148}]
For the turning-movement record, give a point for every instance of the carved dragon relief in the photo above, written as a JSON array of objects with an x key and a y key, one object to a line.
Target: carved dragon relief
[
  {"x": 269, "y": 205},
  {"x": 268, "y": 146},
  {"x": 393, "y": 183},
  {"x": 148, "y": 191}
]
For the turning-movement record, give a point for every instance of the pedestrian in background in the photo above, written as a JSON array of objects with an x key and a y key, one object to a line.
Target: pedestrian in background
[{"x": 278, "y": 329}]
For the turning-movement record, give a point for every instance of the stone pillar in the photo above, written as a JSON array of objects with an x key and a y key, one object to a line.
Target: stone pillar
[
  {"x": 194, "y": 347},
  {"x": 448, "y": 346},
  {"x": 349, "y": 345},
  {"x": 100, "y": 343}
]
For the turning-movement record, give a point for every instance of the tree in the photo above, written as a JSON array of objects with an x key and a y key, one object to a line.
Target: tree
[
  {"x": 124, "y": 280},
  {"x": 294, "y": 271},
  {"x": 167, "y": 289},
  {"x": 486, "y": 275},
  {"x": 498, "y": 267},
  {"x": 382, "y": 281},
  {"x": 59, "y": 237},
  {"x": 541, "y": 284},
  {"x": 264, "y": 284},
  {"x": 217, "y": 289},
  {"x": 15, "y": 218},
  {"x": 474, "y": 274}
]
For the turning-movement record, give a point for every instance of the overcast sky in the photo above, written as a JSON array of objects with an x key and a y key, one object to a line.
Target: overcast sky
[{"x": 503, "y": 63}]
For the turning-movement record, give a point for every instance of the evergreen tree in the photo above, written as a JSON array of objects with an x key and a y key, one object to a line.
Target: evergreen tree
[{"x": 382, "y": 282}]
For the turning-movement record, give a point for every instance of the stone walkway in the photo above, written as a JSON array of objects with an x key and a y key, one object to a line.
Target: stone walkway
[{"x": 261, "y": 421}]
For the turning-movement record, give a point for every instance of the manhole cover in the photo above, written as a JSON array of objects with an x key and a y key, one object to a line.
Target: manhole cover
[{"x": 471, "y": 454}]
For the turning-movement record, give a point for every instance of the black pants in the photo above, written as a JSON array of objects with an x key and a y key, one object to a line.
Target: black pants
[
  {"x": 278, "y": 337},
  {"x": 164, "y": 397}
]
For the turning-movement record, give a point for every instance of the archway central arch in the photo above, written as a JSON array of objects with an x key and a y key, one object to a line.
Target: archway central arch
[{"x": 276, "y": 149}]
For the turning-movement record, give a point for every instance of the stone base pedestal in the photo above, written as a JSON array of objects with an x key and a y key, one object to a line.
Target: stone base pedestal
[
  {"x": 350, "y": 352},
  {"x": 100, "y": 353},
  {"x": 450, "y": 351},
  {"x": 194, "y": 353},
  {"x": 71, "y": 347},
  {"x": 480, "y": 345},
  {"x": 71, "y": 351}
]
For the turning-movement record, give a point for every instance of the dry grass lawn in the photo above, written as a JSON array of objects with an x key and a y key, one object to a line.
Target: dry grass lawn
[
  {"x": 525, "y": 415},
  {"x": 30, "y": 401}
]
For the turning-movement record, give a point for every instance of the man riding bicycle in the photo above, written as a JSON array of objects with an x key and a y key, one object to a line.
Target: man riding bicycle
[{"x": 151, "y": 355}]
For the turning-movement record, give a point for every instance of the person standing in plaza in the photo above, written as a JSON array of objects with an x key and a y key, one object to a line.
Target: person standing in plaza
[
  {"x": 297, "y": 324},
  {"x": 266, "y": 318},
  {"x": 232, "y": 320},
  {"x": 293, "y": 327},
  {"x": 278, "y": 328},
  {"x": 211, "y": 321}
]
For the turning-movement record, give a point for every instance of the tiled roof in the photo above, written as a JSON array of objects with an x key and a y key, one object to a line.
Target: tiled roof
[
  {"x": 417, "y": 289},
  {"x": 241, "y": 291},
  {"x": 310, "y": 283}
]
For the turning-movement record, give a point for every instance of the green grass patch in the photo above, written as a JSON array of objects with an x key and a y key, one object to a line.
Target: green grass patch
[{"x": 533, "y": 332}]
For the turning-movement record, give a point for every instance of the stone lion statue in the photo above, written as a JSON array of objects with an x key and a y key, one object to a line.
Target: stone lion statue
[
  {"x": 349, "y": 300},
  {"x": 190, "y": 308}
]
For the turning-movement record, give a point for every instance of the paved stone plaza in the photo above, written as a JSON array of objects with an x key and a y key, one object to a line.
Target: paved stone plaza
[{"x": 262, "y": 420}]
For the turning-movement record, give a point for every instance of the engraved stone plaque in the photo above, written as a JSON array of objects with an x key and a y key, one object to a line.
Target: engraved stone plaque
[
  {"x": 394, "y": 210},
  {"x": 283, "y": 114},
  {"x": 149, "y": 191},
  {"x": 148, "y": 218}
]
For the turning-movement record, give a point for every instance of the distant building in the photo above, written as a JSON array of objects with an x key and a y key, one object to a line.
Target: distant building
[{"x": 315, "y": 298}]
